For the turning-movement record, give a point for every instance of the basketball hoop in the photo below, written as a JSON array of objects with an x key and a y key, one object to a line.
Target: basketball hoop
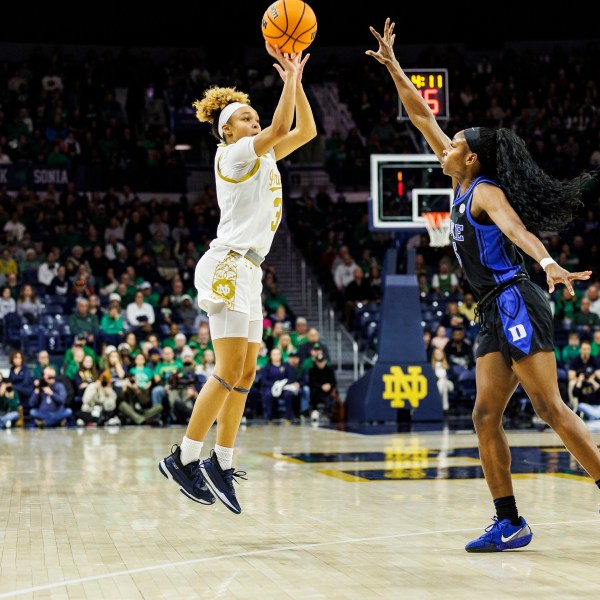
[{"x": 438, "y": 227}]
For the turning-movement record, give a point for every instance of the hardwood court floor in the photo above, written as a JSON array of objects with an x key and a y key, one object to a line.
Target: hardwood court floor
[{"x": 326, "y": 515}]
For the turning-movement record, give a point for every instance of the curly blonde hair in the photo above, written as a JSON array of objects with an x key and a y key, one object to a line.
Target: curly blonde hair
[{"x": 215, "y": 99}]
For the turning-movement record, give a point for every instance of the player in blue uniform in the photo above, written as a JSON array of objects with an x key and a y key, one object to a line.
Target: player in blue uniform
[{"x": 501, "y": 196}]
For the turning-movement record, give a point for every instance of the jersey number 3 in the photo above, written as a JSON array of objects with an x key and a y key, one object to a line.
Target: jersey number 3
[{"x": 277, "y": 203}]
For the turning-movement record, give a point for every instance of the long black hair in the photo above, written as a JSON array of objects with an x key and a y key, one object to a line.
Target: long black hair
[{"x": 543, "y": 202}]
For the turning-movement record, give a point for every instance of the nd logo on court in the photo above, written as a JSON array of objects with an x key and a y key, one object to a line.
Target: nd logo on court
[{"x": 402, "y": 388}]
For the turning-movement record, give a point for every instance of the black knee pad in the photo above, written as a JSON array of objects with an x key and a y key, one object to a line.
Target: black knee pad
[{"x": 223, "y": 383}]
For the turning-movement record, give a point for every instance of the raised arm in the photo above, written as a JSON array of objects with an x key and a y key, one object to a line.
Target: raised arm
[
  {"x": 417, "y": 109},
  {"x": 283, "y": 117},
  {"x": 305, "y": 128}
]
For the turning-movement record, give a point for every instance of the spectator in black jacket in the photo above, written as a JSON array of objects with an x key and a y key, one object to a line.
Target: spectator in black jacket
[
  {"x": 323, "y": 387},
  {"x": 21, "y": 378},
  {"x": 357, "y": 292},
  {"x": 60, "y": 284},
  {"x": 459, "y": 350}
]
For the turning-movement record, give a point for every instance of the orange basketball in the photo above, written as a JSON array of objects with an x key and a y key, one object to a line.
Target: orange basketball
[{"x": 289, "y": 24}]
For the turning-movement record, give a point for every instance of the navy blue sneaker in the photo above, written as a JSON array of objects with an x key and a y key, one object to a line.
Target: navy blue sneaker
[
  {"x": 221, "y": 482},
  {"x": 502, "y": 535},
  {"x": 188, "y": 477}
]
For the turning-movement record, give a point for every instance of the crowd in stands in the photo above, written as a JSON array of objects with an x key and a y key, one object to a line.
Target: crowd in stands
[
  {"x": 99, "y": 362},
  {"x": 451, "y": 328},
  {"x": 550, "y": 96},
  {"x": 113, "y": 111},
  {"x": 62, "y": 112},
  {"x": 115, "y": 108},
  {"x": 103, "y": 309},
  {"x": 103, "y": 269},
  {"x": 347, "y": 258}
]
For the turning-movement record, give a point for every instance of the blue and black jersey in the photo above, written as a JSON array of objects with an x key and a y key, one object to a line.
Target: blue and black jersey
[
  {"x": 515, "y": 316},
  {"x": 486, "y": 256}
]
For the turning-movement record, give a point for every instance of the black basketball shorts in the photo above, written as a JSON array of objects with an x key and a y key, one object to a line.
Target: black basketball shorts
[{"x": 517, "y": 324}]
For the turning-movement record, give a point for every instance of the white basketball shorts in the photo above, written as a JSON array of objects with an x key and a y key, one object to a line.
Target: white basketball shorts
[{"x": 232, "y": 281}]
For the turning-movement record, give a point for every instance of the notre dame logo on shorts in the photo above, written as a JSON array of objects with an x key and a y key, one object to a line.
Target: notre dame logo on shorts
[
  {"x": 401, "y": 387},
  {"x": 224, "y": 280}
]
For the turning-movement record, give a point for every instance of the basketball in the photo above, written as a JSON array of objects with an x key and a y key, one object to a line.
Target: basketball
[{"x": 289, "y": 24}]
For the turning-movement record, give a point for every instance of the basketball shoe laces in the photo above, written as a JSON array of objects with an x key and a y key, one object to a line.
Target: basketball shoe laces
[
  {"x": 230, "y": 475},
  {"x": 491, "y": 530},
  {"x": 196, "y": 475}
]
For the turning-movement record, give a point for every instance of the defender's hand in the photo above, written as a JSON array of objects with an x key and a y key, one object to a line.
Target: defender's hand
[
  {"x": 555, "y": 274},
  {"x": 385, "y": 52}
]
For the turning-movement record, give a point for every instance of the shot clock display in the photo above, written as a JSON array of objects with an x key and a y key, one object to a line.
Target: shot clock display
[{"x": 432, "y": 84}]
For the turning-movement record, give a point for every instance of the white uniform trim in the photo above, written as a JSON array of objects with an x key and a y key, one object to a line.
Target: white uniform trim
[
  {"x": 249, "y": 192},
  {"x": 249, "y": 195}
]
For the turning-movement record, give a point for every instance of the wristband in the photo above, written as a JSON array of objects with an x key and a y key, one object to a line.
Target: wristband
[{"x": 546, "y": 261}]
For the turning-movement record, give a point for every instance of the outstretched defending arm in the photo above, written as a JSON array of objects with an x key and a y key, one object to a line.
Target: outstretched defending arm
[{"x": 417, "y": 109}]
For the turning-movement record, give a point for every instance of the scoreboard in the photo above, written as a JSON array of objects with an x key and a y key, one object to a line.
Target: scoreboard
[{"x": 432, "y": 84}]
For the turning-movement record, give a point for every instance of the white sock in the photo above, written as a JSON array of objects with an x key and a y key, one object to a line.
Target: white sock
[
  {"x": 190, "y": 450},
  {"x": 225, "y": 456}
]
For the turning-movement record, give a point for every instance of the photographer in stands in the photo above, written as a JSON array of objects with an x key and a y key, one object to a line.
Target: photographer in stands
[
  {"x": 184, "y": 386},
  {"x": 587, "y": 393},
  {"x": 99, "y": 403},
  {"x": 10, "y": 408},
  {"x": 48, "y": 401},
  {"x": 577, "y": 368}
]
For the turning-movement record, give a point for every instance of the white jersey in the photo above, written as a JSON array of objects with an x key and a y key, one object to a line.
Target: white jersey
[{"x": 250, "y": 200}]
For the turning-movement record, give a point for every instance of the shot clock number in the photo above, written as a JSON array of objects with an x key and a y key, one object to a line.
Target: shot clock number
[{"x": 432, "y": 84}]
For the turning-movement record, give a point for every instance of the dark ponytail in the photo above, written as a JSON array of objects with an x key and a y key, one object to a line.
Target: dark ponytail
[{"x": 542, "y": 202}]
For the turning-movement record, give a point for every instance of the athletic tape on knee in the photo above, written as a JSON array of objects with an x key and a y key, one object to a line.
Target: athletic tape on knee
[
  {"x": 225, "y": 385},
  {"x": 241, "y": 390}
]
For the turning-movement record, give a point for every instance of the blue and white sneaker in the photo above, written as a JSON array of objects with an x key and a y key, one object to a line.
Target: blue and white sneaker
[
  {"x": 188, "y": 477},
  {"x": 502, "y": 535},
  {"x": 221, "y": 482}
]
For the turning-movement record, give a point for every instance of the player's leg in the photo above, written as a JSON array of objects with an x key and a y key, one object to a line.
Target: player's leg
[
  {"x": 229, "y": 331},
  {"x": 232, "y": 411},
  {"x": 230, "y": 416},
  {"x": 228, "y": 318},
  {"x": 218, "y": 469},
  {"x": 538, "y": 376},
  {"x": 496, "y": 384},
  {"x": 182, "y": 465},
  {"x": 229, "y": 321},
  {"x": 230, "y": 357}
]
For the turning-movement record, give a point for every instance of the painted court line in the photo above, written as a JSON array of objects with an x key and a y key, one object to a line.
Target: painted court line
[{"x": 196, "y": 561}]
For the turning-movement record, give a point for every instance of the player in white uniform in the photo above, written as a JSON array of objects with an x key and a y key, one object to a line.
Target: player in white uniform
[{"x": 229, "y": 276}]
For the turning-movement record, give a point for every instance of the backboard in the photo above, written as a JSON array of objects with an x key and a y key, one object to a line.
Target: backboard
[{"x": 403, "y": 187}]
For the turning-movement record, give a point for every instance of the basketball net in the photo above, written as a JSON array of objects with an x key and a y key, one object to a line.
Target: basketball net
[{"x": 438, "y": 227}]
